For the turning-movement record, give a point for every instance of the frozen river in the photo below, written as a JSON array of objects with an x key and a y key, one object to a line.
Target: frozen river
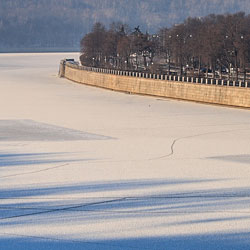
[{"x": 87, "y": 168}]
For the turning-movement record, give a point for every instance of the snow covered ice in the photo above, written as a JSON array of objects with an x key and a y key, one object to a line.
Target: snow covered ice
[{"x": 87, "y": 168}]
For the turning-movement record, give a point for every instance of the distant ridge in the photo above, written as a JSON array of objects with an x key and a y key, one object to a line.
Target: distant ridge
[{"x": 62, "y": 23}]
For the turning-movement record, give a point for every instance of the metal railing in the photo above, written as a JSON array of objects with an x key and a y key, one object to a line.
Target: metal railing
[{"x": 196, "y": 80}]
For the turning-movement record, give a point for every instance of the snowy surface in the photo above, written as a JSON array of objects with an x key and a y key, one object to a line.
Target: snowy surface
[{"x": 87, "y": 168}]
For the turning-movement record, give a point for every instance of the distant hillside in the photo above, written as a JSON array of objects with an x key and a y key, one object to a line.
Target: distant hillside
[{"x": 61, "y": 23}]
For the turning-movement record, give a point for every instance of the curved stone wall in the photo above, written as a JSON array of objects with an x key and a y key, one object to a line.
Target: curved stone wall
[{"x": 120, "y": 81}]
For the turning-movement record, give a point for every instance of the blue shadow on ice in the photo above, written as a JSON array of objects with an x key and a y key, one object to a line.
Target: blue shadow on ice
[
  {"x": 8, "y": 160},
  {"x": 91, "y": 187},
  {"x": 90, "y": 210},
  {"x": 226, "y": 241}
]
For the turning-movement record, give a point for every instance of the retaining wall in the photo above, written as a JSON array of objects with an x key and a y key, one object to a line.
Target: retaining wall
[{"x": 135, "y": 83}]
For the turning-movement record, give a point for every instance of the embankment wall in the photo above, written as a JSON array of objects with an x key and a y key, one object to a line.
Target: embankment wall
[{"x": 198, "y": 92}]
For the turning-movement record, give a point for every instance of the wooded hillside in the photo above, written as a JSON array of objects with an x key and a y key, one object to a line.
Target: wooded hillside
[{"x": 62, "y": 23}]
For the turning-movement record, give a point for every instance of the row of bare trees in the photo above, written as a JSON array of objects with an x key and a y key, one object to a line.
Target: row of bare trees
[
  {"x": 217, "y": 45},
  {"x": 117, "y": 47}
]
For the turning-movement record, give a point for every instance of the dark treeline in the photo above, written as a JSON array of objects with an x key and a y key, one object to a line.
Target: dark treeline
[{"x": 215, "y": 45}]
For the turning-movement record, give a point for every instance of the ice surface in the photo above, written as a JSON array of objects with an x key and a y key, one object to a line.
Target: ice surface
[
  {"x": 28, "y": 130},
  {"x": 87, "y": 168}
]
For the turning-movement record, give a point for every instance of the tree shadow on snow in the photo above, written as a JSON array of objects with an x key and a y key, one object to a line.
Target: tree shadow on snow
[{"x": 36, "y": 207}]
